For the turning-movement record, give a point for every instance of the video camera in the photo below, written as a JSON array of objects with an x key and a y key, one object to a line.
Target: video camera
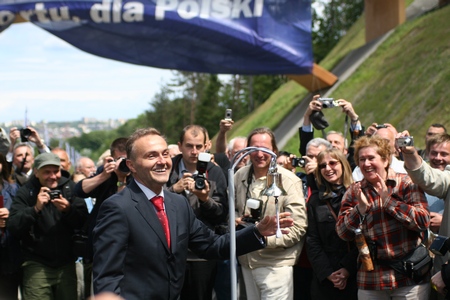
[{"x": 202, "y": 165}]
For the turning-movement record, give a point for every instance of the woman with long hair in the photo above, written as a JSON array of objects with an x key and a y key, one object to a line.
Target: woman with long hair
[{"x": 333, "y": 260}]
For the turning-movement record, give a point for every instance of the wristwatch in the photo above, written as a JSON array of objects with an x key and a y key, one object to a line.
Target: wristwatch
[{"x": 120, "y": 183}]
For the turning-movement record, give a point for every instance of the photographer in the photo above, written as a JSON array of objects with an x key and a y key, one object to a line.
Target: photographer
[
  {"x": 110, "y": 179},
  {"x": 268, "y": 273},
  {"x": 21, "y": 152},
  {"x": 314, "y": 116},
  {"x": 44, "y": 216},
  {"x": 435, "y": 182},
  {"x": 209, "y": 203}
]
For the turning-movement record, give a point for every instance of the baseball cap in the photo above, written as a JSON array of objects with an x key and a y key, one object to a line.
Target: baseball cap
[{"x": 45, "y": 159}]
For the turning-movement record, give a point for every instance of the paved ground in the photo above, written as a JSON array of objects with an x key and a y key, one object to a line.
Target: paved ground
[{"x": 289, "y": 126}]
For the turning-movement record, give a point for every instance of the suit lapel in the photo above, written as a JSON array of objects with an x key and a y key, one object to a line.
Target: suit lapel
[{"x": 147, "y": 211}]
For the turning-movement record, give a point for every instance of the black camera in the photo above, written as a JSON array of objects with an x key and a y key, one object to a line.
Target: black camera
[
  {"x": 202, "y": 165},
  {"x": 255, "y": 206},
  {"x": 380, "y": 126},
  {"x": 298, "y": 162},
  {"x": 405, "y": 141},
  {"x": 328, "y": 102},
  {"x": 54, "y": 194},
  {"x": 25, "y": 133},
  {"x": 123, "y": 165}
]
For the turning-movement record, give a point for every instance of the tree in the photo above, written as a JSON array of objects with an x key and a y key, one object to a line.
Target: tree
[{"x": 331, "y": 20}]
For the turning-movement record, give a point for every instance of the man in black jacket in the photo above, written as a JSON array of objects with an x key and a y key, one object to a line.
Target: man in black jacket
[
  {"x": 44, "y": 216},
  {"x": 209, "y": 204}
]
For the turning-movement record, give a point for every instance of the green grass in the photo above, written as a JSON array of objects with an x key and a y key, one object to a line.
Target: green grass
[{"x": 404, "y": 82}]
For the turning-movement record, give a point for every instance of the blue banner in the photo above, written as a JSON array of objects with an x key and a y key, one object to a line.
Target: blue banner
[{"x": 213, "y": 36}]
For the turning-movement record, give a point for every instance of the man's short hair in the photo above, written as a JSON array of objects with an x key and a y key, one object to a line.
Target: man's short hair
[
  {"x": 438, "y": 125},
  {"x": 141, "y": 132},
  {"x": 233, "y": 140},
  {"x": 438, "y": 138},
  {"x": 317, "y": 142},
  {"x": 195, "y": 130},
  {"x": 264, "y": 130},
  {"x": 23, "y": 145},
  {"x": 118, "y": 145},
  {"x": 340, "y": 134}
]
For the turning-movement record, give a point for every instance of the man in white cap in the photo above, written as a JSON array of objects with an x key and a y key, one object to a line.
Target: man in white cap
[{"x": 44, "y": 216}]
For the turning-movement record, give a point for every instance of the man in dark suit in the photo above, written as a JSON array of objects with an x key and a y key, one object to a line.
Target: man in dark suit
[{"x": 132, "y": 255}]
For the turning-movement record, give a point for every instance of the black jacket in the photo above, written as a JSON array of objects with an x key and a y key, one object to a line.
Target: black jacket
[
  {"x": 326, "y": 251},
  {"x": 46, "y": 237},
  {"x": 214, "y": 211}
]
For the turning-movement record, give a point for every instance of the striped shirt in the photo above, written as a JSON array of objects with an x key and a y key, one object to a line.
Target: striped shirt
[{"x": 394, "y": 225}]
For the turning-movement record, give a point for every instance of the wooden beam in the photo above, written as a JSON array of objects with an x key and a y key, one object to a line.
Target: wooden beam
[
  {"x": 382, "y": 16},
  {"x": 318, "y": 79}
]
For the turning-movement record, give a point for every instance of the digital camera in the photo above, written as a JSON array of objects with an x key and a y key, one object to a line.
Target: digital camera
[
  {"x": 328, "y": 102},
  {"x": 228, "y": 114},
  {"x": 25, "y": 133},
  {"x": 54, "y": 194},
  {"x": 405, "y": 141},
  {"x": 380, "y": 126},
  {"x": 298, "y": 162},
  {"x": 202, "y": 165},
  {"x": 123, "y": 165}
]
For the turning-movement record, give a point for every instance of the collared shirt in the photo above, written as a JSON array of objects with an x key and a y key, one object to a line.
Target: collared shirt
[
  {"x": 394, "y": 225},
  {"x": 148, "y": 192}
]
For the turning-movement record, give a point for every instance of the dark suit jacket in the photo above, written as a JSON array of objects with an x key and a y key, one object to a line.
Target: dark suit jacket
[{"x": 131, "y": 257}]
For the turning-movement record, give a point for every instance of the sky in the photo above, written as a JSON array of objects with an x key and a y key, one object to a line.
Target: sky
[{"x": 54, "y": 81}]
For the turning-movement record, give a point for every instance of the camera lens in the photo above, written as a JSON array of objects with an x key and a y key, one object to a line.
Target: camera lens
[
  {"x": 123, "y": 166},
  {"x": 25, "y": 133},
  {"x": 200, "y": 183}
]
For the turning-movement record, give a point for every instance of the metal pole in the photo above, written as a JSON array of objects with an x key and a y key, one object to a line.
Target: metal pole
[{"x": 232, "y": 215}]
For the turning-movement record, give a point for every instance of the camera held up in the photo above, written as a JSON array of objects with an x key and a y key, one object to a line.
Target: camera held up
[
  {"x": 298, "y": 162},
  {"x": 25, "y": 133},
  {"x": 328, "y": 102},
  {"x": 202, "y": 165},
  {"x": 405, "y": 141},
  {"x": 54, "y": 194},
  {"x": 123, "y": 165}
]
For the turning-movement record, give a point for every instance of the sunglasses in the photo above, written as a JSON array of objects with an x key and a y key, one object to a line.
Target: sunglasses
[{"x": 331, "y": 163}]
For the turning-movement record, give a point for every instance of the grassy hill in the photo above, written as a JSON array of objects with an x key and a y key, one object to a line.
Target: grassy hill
[{"x": 404, "y": 82}]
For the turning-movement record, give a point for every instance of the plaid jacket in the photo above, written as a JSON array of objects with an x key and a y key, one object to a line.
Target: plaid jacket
[{"x": 392, "y": 227}]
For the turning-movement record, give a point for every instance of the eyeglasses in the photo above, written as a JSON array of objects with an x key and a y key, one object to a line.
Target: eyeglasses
[{"x": 331, "y": 163}]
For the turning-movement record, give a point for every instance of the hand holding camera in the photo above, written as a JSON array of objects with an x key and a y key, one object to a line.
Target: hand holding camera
[{"x": 405, "y": 143}]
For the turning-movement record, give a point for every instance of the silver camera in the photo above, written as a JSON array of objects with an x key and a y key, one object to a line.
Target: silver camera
[
  {"x": 405, "y": 141},
  {"x": 228, "y": 114},
  {"x": 328, "y": 102}
]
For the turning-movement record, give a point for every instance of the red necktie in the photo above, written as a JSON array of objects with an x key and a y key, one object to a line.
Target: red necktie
[{"x": 158, "y": 202}]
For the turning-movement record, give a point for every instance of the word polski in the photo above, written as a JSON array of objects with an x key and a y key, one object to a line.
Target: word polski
[{"x": 117, "y": 12}]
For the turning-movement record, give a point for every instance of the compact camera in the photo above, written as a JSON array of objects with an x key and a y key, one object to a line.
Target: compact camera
[
  {"x": 380, "y": 126},
  {"x": 54, "y": 194},
  {"x": 25, "y": 133},
  {"x": 328, "y": 102},
  {"x": 228, "y": 114},
  {"x": 255, "y": 206},
  {"x": 202, "y": 165},
  {"x": 405, "y": 141},
  {"x": 298, "y": 162},
  {"x": 123, "y": 165}
]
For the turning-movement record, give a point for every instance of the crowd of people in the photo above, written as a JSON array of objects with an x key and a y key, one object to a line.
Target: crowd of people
[{"x": 151, "y": 221}]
